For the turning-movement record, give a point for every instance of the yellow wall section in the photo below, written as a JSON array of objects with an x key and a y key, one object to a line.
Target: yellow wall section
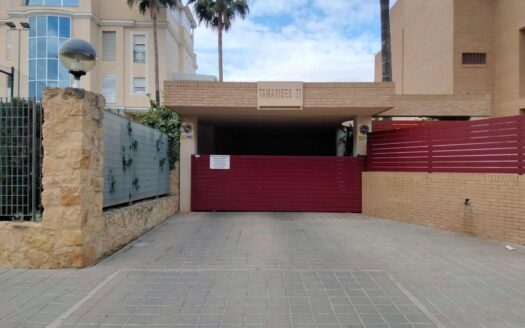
[{"x": 496, "y": 210}]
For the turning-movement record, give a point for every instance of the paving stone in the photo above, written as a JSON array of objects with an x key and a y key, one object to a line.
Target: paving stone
[{"x": 279, "y": 269}]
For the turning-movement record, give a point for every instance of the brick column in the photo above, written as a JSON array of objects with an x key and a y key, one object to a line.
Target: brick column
[{"x": 73, "y": 172}]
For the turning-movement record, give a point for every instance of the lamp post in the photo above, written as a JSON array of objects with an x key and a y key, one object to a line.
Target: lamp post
[
  {"x": 11, "y": 77},
  {"x": 25, "y": 27},
  {"x": 79, "y": 57}
]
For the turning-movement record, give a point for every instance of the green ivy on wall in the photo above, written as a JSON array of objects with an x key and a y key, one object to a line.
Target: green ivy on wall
[{"x": 166, "y": 121}]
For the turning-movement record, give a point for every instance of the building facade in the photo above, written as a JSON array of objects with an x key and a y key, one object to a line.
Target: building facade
[
  {"x": 123, "y": 38},
  {"x": 290, "y": 119},
  {"x": 460, "y": 47}
]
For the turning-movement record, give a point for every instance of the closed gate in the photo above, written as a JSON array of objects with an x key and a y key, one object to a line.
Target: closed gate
[{"x": 278, "y": 183}]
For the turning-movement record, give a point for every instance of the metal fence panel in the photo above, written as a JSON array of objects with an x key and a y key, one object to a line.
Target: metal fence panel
[
  {"x": 135, "y": 161},
  {"x": 494, "y": 145},
  {"x": 20, "y": 159}
]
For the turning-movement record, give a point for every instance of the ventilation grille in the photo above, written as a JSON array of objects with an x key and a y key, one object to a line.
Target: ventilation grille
[{"x": 474, "y": 58}]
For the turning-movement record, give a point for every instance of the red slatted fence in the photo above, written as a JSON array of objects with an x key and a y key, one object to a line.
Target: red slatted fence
[
  {"x": 484, "y": 146},
  {"x": 378, "y": 126}
]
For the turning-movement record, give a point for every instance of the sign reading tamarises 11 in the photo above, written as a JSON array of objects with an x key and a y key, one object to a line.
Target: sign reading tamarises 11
[{"x": 280, "y": 95}]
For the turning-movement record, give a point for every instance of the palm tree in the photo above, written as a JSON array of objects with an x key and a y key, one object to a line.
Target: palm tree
[
  {"x": 219, "y": 15},
  {"x": 154, "y": 7},
  {"x": 386, "y": 46}
]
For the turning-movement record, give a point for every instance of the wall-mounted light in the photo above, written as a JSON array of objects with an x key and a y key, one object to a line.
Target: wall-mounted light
[{"x": 79, "y": 57}]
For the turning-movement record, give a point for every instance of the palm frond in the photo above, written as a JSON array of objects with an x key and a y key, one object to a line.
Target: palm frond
[
  {"x": 211, "y": 12},
  {"x": 204, "y": 9},
  {"x": 145, "y": 5}
]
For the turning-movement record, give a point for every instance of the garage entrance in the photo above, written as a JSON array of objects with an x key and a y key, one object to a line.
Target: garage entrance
[
  {"x": 282, "y": 143},
  {"x": 275, "y": 139},
  {"x": 278, "y": 183},
  {"x": 274, "y": 167}
]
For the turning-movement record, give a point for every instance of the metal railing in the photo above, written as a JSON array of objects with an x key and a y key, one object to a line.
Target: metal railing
[
  {"x": 20, "y": 159},
  {"x": 15, "y": 84}
]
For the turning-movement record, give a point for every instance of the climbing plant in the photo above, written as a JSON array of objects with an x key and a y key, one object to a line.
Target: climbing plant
[
  {"x": 126, "y": 161},
  {"x": 112, "y": 182},
  {"x": 166, "y": 121},
  {"x": 347, "y": 140}
]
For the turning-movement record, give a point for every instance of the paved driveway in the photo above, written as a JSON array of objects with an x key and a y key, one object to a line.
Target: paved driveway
[{"x": 279, "y": 270}]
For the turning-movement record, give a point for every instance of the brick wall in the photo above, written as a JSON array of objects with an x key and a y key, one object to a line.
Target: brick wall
[
  {"x": 446, "y": 105},
  {"x": 237, "y": 98},
  {"x": 244, "y": 95},
  {"x": 473, "y": 33},
  {"x": 509, "y": 21},
  {"x": 422, "y": 46},
  {"x": 496, "y": 210}
]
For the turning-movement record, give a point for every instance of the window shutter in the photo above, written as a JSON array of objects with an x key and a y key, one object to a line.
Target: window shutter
[
  {"x": 139, "y": 39},
  {"x": 109, "y": 86},
  {"x": 139, "y": 85},
  {"x": 109, "y": 46}
]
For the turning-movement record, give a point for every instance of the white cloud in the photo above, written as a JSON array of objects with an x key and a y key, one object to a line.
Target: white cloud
[
  {"x": 304, "y": 40},
  {"x": 274, "y": 7}
]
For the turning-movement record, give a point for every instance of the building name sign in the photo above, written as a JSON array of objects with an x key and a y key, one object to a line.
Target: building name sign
[{"x": 280, "y": 95}]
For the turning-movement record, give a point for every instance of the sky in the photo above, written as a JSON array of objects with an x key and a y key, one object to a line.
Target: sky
[{"x": 297, "y": 40}]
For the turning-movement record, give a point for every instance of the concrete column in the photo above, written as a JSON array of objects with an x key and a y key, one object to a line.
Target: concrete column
[
  {"x": 188, "y": 147},
  {"x": 360, "y": 124}
]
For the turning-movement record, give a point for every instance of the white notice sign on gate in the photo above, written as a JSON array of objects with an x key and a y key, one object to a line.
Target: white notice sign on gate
[{"x": 219, "y": 162}]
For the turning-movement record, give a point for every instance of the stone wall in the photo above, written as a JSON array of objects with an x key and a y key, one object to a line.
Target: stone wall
[
  {"x": 123, "y": 225},
  {"x": 72, "y": 184},
  {"x": 495, "y": 207},
  {"x": 74, "y": 231}
]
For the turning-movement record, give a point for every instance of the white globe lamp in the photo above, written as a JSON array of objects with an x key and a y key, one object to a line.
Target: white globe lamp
[{"x": 79, "y": 57}]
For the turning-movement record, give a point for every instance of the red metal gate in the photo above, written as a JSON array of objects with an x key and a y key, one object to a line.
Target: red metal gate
[{"x": 278, "y": 183}]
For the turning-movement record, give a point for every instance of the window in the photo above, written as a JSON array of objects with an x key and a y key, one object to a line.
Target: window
[
  {"x": 53, "y": 3},
  {"x": 9, "y": 45},
  {"x": 139, "y": 85},
  {"x": 46, "y": 35},
  {"x": 109, "y": 46},
  {"x": 139, "y": 48},
  {"x": 474, "y": 58},
  {"x": 109, "y": 86}
]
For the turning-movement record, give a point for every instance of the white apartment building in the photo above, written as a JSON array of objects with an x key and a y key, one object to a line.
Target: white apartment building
[{"x": 32, "y": 31}]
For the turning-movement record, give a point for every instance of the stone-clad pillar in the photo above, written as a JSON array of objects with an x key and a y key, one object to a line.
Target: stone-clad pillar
[{"x": 73, "y": 172}]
